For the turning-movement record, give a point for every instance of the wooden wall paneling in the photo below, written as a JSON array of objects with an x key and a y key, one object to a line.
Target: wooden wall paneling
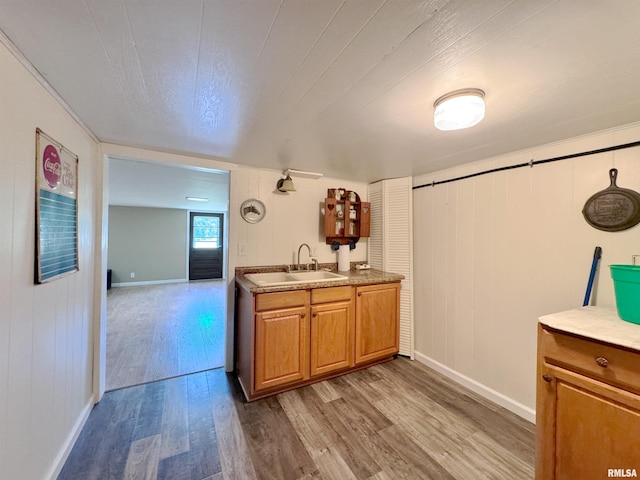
[
  {"x": 552, "y": 211},
  {"x": 502, "y": 267},
  {"x": 518, "y": 325},
  {"x": 449, "y": 274},
  {"x": 464, "y": 316},
  {"x": 486, "y": 328},
  {"x": 440, "y": 277}
]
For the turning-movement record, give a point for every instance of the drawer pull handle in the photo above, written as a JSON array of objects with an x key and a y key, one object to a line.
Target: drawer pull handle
[
  {"x": 546, "y": 377},
  {"x": 603, "y": 362}
]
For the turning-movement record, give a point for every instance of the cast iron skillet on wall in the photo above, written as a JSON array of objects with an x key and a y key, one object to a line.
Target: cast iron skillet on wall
[{"x": 614, "y": 208}]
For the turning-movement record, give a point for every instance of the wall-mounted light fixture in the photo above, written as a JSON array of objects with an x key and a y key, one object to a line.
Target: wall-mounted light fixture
[
  {"x": 197, "y": 199},
  {"x": 459, "y": 109},
  {"x": 285, "y": 185}
]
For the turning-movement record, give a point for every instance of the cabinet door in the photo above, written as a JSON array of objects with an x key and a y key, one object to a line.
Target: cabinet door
[
  {"x": 331, "y": 337},
  {"x": 589, "y": 427},
  {"x": 282, "y": 347},
  {"x": 377, "y": 321}
]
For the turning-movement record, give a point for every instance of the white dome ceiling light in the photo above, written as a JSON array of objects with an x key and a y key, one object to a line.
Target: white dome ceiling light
[{"x": 459, "y": 109}]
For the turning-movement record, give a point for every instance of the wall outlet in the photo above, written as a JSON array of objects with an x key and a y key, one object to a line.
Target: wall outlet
[
  {"x": 133, "y": 275},
  {"x": 242, "y": 249}
]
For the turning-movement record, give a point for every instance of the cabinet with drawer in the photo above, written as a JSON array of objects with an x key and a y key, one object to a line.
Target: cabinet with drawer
[
  {"x": 292, "y": 338},
  {"x": 587, "y": 407}
]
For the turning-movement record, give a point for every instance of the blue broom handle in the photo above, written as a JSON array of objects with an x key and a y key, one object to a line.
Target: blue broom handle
[{"x": 597, "y": 253}]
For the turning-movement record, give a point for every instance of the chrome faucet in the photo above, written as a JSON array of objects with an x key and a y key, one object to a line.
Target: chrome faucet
[{"x": 313, "y": 259}]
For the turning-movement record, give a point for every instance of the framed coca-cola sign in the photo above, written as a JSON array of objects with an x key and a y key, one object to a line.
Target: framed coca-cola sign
[{"x": 56, "y": 210}]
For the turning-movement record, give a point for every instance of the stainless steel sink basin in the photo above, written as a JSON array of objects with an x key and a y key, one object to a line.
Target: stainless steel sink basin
[{"x": 267, "y": 279}]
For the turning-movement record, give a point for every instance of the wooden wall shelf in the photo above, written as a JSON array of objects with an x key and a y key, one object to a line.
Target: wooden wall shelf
[{"x": 346, "y": 218}]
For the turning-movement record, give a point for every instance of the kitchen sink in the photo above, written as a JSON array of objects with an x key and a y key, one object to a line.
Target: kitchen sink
[{"x": 267, "y": 279}]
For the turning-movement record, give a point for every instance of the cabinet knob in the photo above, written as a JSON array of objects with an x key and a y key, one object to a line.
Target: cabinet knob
[
  {"x": 603, "y": 362},
  {"x": 303, "y": 315},
  {"x": 315, "y": 314},
  {"x": 546, "y": 377},
  {"x": 359, "y": 294}
]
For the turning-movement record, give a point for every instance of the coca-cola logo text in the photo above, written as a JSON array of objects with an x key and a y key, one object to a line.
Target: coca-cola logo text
[{"x": 51, "y": 166}]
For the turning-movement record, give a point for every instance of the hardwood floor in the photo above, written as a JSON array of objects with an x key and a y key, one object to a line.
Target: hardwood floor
[
  {"x": 162, "y": 331},
  {"x": 397, "y": 420}
]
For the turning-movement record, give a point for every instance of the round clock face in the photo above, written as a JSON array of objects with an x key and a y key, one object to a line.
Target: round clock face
[{"x": 252, "y": 210}]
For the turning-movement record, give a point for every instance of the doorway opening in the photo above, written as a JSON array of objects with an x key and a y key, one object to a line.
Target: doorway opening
[{"x": 159, "y": 323}]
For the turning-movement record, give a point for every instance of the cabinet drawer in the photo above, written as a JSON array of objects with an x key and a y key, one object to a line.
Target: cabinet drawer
[
  {"x": 597, "y": 360},
  {"x": 330, "y": 294},
  {"x": 272, "y": 301}
]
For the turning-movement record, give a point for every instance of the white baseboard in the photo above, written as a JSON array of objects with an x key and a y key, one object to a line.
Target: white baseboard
[
  {"x": 150, "y": 282},
  {"x": 488, "y": 393},
  {"x": 67, "y": 446}
]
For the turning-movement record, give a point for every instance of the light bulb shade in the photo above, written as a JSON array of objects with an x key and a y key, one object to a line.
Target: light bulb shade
[
  {"x": 459, "y": 109},
  {"x": 285, "y": 185}
]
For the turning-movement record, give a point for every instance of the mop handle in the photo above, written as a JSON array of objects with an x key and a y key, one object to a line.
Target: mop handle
[{"x": 597, "y": 253}]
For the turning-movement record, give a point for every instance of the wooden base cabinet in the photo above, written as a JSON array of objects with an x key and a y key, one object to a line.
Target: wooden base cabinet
[
  {"x": 331, "y": 337},
  {"x": 377, "y": 321},
  {"x": 282, "y": 339},
  {"x": 290, "y": 339},
  {"x": 588, "y": 409}
]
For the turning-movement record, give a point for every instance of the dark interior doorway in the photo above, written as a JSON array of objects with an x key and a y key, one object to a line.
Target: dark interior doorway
[{"x": 205, "y": 245}]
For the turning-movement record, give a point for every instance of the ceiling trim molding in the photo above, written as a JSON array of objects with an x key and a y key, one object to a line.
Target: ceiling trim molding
[{"x": 46, "y": 85}]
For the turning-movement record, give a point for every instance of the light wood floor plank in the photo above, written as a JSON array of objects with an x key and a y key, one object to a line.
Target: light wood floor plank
[
  {"x": 162, "y": 331},
  {"x": 397, "y": 420},
  {"x": 142, "y": 462},
  {"x": 235, "y": 457},
  {"x": 175, "y": 419}
]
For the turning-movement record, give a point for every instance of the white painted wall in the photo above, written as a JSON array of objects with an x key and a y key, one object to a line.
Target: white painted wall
[
  {"x": 495, "y": 252},
  {"x": 291, "y": 219},
  {"x": 45, "y": 330}
]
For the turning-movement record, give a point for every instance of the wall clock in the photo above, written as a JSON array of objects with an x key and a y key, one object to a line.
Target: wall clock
[{"x": 252, "y": 210}]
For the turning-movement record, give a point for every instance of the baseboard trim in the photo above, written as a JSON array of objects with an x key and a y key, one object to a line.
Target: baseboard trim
[
  {"x": 149, "y": 282},
  {"x": 68, "y": 444},
  {"x": 477, "y": 387}
]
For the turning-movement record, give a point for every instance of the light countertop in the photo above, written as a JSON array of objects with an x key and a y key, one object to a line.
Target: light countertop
[
  {"x": 354, "y": 277},
  {"x": 597, "y": 323}
]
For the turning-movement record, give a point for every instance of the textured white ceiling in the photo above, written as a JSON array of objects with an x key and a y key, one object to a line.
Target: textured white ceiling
[
  {"x": 345, "y": 87},
  {"x": 146, "y": 184}
]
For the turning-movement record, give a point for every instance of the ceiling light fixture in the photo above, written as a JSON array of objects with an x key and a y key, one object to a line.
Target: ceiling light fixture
[
  {"x": 197, "y": 199},
  {"x": 459, "y": 109}
]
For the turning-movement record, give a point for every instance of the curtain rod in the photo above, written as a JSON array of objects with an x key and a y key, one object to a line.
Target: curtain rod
[{"x": 531, "y": 163}]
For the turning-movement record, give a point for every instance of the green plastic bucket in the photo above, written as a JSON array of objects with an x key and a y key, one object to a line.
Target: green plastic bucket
[{"x": 626, "y": 283}]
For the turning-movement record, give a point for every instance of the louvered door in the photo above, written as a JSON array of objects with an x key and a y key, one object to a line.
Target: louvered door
[{"x": 391, "y": 244}]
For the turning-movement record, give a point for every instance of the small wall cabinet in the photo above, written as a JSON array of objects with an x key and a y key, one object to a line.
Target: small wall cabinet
[
  {"x": 588, "y": 407},
  {"x": 346, "y": 218}
]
